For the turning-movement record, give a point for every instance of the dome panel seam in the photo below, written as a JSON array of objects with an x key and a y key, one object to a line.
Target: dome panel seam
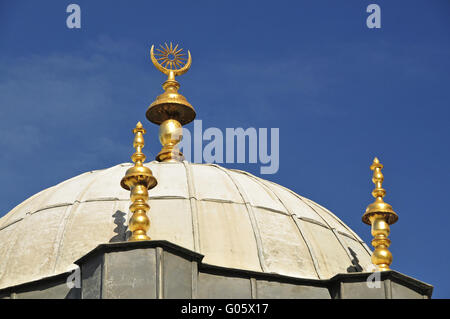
[
  {"x": 298, "y": 227},
  {"x": 193, "y": 205},
  {"x": 67, "y": 219},
  {"x": 252, "y": 217}
]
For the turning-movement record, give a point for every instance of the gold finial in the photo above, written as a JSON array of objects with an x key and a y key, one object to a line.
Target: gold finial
[
  {"x": 170, "y": 110},
  {"x": 139, "y": 179},
  {"x": 380, "y": 215}
]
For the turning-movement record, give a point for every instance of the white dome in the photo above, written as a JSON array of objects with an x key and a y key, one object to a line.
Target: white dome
[{"x": 233, "y": 218}]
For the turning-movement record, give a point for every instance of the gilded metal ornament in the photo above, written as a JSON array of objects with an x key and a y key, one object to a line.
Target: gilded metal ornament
[
  {"x": 170, "y": 110},
  {"x": 139, "y": 179},
  {"x": 171, "y": 60},
  {"x": 380, "y": 215}
]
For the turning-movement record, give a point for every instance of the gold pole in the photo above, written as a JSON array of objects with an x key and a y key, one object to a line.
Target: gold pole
[
  {"x": 139, "y": 179},
  {"x": 380, "y": 215},
  {"x": 170, "y": 110}
]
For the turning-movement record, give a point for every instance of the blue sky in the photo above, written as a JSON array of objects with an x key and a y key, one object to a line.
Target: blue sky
[{"x": 339, "y": 92}]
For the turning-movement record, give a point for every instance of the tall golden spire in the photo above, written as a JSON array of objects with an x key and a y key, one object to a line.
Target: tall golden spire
[
  {"x": 380, "y": 215},
  {"x": 170, "y": 110},
  {"x": 139, "y": 179}
]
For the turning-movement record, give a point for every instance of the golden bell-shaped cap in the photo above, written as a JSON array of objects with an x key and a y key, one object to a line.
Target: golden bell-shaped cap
[{"x": 170, "y": 105}]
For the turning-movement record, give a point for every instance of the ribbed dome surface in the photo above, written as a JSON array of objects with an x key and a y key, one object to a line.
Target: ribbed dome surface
[{"x": 233, "y": 218}]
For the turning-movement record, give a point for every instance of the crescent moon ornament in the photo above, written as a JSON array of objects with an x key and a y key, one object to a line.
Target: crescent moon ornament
[{"x": 170, "y": 60}]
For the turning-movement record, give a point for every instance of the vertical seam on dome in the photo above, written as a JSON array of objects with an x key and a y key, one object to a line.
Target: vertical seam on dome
[
  {"x": 60, "y": 232},
  {"x": 68, "y": 219},
  {"x": 365, "y": 247},
  {"x": 305, "y": 200},
  {"x": 252, "y": 218},
  {"x": 9, "y": 251},
  {"x": 355, "y": 237},
  {"x": 338, "y": 220},
  {"x": 342, "y": 244},
  {"x": 193, "y": 203},
  {"x": 298, "y": 226},
  {"x": 293, "y": 193},
  {"x": 333, "y": 230}
]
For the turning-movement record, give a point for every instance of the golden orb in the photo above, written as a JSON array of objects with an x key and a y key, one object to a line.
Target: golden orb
[{"x": 170, "y": 132}]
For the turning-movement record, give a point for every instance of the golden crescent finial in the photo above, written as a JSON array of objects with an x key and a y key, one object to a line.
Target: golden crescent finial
[
  {"x": 172, "y": 59},
  {"x": 170, "y": 110}
]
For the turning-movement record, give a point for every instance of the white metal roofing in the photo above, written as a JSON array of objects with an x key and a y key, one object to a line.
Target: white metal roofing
[{"x": 233, "y": 218}]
